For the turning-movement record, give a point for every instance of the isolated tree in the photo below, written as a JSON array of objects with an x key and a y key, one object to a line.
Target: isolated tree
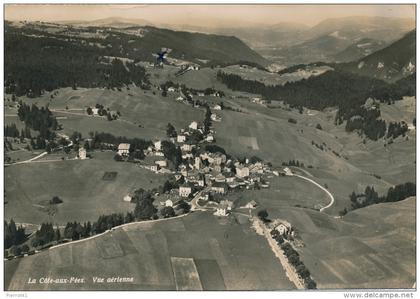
[
  {"x": 184, "y": 206},
  {"x": 263, "y": 214},
  {"x": 144, "y": 209},
  {"x": 24, "y": 248},
  {"x": 118, "y": 158},
  {"x": 170, "y": 131},
  {"x": 167, "y": 212}
]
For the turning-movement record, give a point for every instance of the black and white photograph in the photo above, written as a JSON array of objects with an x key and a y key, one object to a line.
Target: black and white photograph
[{"x": 209, "y": 147}]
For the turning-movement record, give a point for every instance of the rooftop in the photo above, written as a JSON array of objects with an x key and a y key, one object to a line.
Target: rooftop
[{"x": 124, "y": 146}]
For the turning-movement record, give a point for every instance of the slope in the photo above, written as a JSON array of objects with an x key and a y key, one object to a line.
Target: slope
[{"x": 394, "y": 62}]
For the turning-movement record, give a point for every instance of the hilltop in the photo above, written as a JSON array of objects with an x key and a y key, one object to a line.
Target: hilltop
[{"x": 394, "y": 62}]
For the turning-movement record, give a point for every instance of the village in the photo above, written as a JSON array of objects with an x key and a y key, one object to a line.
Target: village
[{"x": 206, "y": 173}]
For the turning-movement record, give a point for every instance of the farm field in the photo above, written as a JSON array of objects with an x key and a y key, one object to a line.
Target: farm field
[
  {"x": 159, "y": 256},
  {"x": 373, "y": 247},
  {"x": 268, "y": 78},
  {"x": 283, "y": 192},
  {"x": 141, "y": 111},
  {"x": 79, "y": 183},
  {"x": 267, "y": 134}
]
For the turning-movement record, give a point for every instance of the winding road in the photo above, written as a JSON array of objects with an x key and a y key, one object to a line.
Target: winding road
[
  {"x": 29, "y": 160},
  {"x": 319, "y": 186}
]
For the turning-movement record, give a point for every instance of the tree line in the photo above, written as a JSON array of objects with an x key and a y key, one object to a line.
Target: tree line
[
  {"x": 370, "y": 196},
  {"x": 336, "y": 88},
  {"x": 37, "y": 64},
  {"x": 13, "y": 235},
  {"x": 38, "y": 119}
]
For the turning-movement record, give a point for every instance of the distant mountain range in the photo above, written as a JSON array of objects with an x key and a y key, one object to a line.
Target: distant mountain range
[
  {"x": 139, "y": 42},
  {"x": 359, "y": 49},
  {"x": 394, "y": 62},
  {"x": 289, "y": 43},
  {"x": 337, "y": 40}
]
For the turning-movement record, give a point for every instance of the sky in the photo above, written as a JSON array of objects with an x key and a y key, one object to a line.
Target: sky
[{"x": 204, "y": 15}]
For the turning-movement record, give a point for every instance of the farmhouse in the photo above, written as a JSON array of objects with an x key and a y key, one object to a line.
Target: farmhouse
[
  {"x": 193, "y": 125},
  {"x": 223, "y": 208},
  {"x": 214, "y": 117},
  {"x": 209, "y": 138},
  {"x": 186, "y": 147},
  {"x": 230, "y": 177},
  {"x": 284, "y": 228},
  {"x": 181, "y": 138},
  {"x": 159, "y": 154},
  {"x": 123, "y": 149},
  {"x": 251, "y": 205},
  {"x": 287, "y": 171},
  {"x": 82, "y": 153},
  {"x": 158, "y": 145},
  {"x": 161, "y": 163},
  {"x": 220, "y": 178},
  {"x": 171, "y": 89},
  {"x": 220, "y": 188},
  {"x": 185, "y": 190},
  {"x": 242, "y": 171},
  {"x": 127, "y": 198},
  {"x": 95, "y": 111},
  {"x": 169, "y": 203},
  {"x": 217, "y": 107}
]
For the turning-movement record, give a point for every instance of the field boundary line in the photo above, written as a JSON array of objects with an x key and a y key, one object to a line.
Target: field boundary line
[
  {"x": 114, "y": 228},
  {"x": 278, "y": 252},
  {"x": 29, "y": 160}
]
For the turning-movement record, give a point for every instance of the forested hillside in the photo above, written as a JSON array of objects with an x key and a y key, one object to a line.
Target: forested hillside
[{"x": 336, "y": 88}]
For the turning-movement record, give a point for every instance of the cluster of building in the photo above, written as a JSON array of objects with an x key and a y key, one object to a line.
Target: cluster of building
[
  {"x": 205, "y": 173},
  {"x": 259, "y": 101}
]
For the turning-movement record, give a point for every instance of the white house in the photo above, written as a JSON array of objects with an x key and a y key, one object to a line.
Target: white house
[
  {"x": 209, "y": 138},
  {"x": 215, "y": 117},
  {"x": 158, "y": 145},
  {"x": 181, "y": 138},
  {"x": 123, "y": 149},
  {"x": 217, "y": 107},
  {"x": 171, "y": 89},
  {"x": 185, "y": 190},
  {"x": 127, "y": 198},
  {"x": 220, "y": 178},
  {"x": 197, "y": 163},
  {"x": 169, "y": 203},
  {"x": 161, "y": 163},
  {"x": 251, "y": 205},
  {"x": 186, "y": 147},
  {"x": 193, "y": 125},
  {"x": 230, "y": 178},
  {"x": 242, "y": 171},
  {"x": 154, "y": 167},
  {"x": 95, "y": 111},
  {"x": 223, "y": 208},
  {"x": 283, "y": 228},
  {"x": 180, "y": 99},
  {"x": 287, "y": 171},
  {"x": 220, "y": 188},
  {"x": 82, "y": 153},
  {"x": 159, "y": 154}
]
